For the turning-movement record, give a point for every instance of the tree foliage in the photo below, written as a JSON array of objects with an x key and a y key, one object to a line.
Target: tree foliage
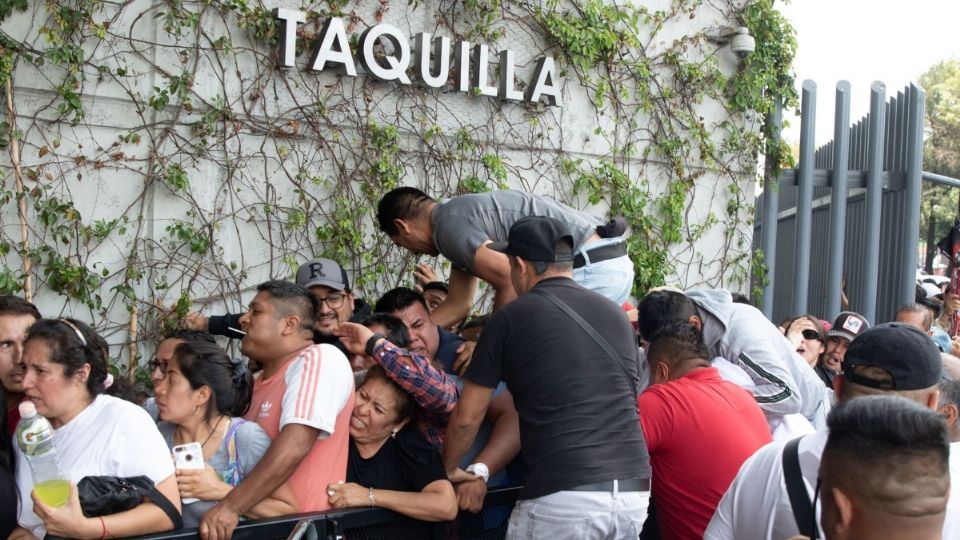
[{"x": 941, "y": 151}]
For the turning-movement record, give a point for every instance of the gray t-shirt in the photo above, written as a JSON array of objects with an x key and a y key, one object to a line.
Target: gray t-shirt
[
  {"x": 462, "y": 224},
  {"x": 251, "y": 443}
]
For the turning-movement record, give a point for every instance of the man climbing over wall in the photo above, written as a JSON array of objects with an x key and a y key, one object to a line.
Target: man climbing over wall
[{"x": 460, "y": 228}]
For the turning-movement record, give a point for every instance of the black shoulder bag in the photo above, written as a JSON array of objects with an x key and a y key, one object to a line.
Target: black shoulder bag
[
  {"x": 597, "y": 338},
  {"x": 803, "y": 511},
  {"x": 107, "y": 495}
]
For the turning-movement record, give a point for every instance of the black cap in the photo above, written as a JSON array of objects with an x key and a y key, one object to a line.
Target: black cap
[
  {"x": 535, "y": 238},
  {"x": 900, "y": 349},
  {"x": 848, "y": 325},
  {"x": 325, "y": 272}
]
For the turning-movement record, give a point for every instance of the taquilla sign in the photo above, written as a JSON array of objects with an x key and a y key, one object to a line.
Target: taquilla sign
[{"x": 434, "y": 62}]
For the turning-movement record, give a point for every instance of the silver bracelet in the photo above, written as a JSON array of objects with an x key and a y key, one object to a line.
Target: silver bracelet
[{"x": 373, "y": 502}]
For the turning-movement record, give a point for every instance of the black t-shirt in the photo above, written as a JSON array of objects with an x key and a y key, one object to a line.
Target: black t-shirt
[
  {"x": 405, "y": 463},
  {"x": 578, "y": 411}
]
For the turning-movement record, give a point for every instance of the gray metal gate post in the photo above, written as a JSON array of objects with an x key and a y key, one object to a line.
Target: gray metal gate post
[
  {"x": 771, "y": 206},
  {"x": 838, "y": 199},
  {"x": 808, "y": 115},
  {"x": 870, "y": 279},
  {"x": 914, "y": 170}
]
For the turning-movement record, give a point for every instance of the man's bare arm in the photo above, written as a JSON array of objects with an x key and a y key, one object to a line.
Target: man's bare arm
[
  {"x": 275, "y": 467},
  {"x": 461, "y": 289},
  {"x": 504, "y": 442},
  {"x": 463, "y": 424},
  {"x": 494, "y": 268}
]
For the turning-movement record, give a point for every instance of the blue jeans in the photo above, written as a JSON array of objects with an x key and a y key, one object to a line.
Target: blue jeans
[
  {"x": 579, "y": 515},
  {"x": 612, "y": 278}
]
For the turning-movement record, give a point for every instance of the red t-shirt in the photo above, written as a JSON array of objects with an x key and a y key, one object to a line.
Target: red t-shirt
[{"x": 699, "y": 430}]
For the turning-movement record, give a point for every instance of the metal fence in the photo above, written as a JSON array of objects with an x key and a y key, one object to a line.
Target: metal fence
[
  {"x": 374, "y": 524},
  {"x": 850, "y": 208}
]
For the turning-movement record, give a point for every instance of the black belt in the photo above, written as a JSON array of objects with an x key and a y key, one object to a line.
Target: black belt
[
  {"x": 602, "y": 253},
  {"x": 630, "y": 484}
]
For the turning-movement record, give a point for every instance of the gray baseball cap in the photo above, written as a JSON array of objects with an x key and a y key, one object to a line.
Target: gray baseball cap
[{"x": 325, "y": 272}]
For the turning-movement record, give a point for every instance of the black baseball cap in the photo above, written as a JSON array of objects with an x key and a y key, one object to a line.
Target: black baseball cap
[
  {"x": 900, "y": 349},
  {"x": 325, "y": 272},
  {"x": 535, "y": 238},
  {"x": 848, "y": 325}
]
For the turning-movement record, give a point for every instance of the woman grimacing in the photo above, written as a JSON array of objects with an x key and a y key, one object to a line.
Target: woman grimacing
[
  {"x": 201, "y": 398},
  {"x": 391, "y": 464}
]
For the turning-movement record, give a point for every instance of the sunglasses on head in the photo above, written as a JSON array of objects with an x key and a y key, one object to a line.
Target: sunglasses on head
[{"x": 810, "y": 334}]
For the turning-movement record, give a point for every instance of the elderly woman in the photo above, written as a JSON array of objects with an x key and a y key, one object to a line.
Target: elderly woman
[
  {"x": 201, "y": 396},
  {"x": 807, "y": 335},
  {"x": 390, "y": 463},
  {"x": 94, "y": 434}
]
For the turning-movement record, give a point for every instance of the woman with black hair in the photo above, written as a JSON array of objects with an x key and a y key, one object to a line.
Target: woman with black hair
[
  {"x": 201, "y": 398},
  {"x": 95, "y": 435},
  {"x": 390, "y": 463}
]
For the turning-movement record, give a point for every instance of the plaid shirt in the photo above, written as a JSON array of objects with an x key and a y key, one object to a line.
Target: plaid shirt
[{"x": 434, "y": 391}]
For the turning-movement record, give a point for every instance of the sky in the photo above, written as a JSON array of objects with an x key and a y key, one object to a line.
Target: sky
[{"x": 862, "y": 41}]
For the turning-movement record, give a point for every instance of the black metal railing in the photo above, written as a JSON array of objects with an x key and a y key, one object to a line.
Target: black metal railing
[{"x": 374, "y": 524}]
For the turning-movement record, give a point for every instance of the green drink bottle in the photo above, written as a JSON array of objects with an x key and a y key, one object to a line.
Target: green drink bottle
[{"x": 35, "y": 439}]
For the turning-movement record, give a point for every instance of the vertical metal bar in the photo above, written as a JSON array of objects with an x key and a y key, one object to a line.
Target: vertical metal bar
[
  {"x": 871, "y": 257},
  {"x": 865, "y": 145},
  {"x": 861, "y": 158},
  {"x": 901, "y": 133},
  {"x": 852, "y": 163},
  {"x": 914, "y": 164},
  {"x": 838, "y": 198},
  {"x": 888, "y": 138},
  {"x": 808, "y": 115},
  {"x": 771, "y": 205}
]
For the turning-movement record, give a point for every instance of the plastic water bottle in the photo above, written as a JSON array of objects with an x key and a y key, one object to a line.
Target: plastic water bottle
[{"x": 35, "y": 439}]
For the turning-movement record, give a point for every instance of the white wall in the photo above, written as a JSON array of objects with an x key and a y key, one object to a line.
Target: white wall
[{"x": 277, "y": 132}]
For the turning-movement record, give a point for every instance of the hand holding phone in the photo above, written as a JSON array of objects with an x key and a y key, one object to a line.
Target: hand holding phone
[{"x": 188, "y": 456}]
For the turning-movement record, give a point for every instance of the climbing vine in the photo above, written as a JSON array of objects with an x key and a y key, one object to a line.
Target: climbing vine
[{"x": 157, "y": 160}]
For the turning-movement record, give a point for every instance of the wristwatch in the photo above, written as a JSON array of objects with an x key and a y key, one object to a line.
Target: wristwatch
[{"x": 481, "y": 470}]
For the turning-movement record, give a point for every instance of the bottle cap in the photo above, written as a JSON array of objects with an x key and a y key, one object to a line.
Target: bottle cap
[{"x": 27, "y": 409}]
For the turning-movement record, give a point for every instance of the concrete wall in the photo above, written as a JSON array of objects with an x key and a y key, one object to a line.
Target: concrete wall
[{"x": 296, "y": 145}]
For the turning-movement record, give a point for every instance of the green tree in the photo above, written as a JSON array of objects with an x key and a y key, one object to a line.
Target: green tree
[{"x": 940, "y": 205}]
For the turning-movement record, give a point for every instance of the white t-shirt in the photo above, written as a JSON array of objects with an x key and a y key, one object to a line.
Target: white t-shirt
[
  {"x": 111, "y": 437},
  {"x": 951, "y": 525},
  {"x": 757, "y": 505}
]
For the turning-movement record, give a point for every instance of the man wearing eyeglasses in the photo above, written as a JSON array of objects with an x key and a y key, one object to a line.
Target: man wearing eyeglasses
[{"x": 329, "y": 284}]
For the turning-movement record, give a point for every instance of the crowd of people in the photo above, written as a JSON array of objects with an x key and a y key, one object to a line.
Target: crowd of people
[{"x": 688, "y": 416}]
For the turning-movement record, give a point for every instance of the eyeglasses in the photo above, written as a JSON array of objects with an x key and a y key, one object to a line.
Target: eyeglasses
[
  {"x": 158, "y": 364},
  {"x": 810, "y": 334},
  {"x": 334, "y": 301}
]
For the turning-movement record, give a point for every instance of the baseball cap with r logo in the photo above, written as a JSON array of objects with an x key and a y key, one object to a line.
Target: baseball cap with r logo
[{"x": 325, "y": 272}]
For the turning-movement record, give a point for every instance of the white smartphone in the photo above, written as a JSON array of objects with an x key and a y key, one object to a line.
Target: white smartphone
[{"x": 188, "y": 456}]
